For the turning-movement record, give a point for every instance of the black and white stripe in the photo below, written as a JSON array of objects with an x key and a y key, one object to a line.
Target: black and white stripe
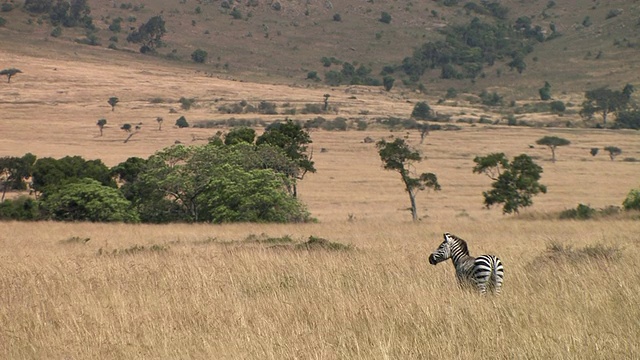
[{"x": 484, "y": 273}]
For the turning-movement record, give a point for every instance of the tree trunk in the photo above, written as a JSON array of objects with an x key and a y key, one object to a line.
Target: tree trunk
[
  {"x": 553, "y": 154},
  {"x": 414, "y": 210}
]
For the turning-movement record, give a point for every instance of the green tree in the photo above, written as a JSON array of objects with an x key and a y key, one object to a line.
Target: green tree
[
  {"x": 159, "y": 120},
  {"x": 553, "y": 142},
  {"x": 149, "y": 34},
  {"x": 38, "y": 6},
  {"x": 14, "y": 171},
  {"x": 632, "y": 201},
  {"x": 101, "y": 123},
  {"x": 422, "y": 111},
  {"x": 545, "y": 91},
  {"x": 628, "y": 119},
  {"x": 88, "y": 200},
  {"x": 9, "y": 73},
  {"x": 49, "y": 173},
  {"x": 398, "y": 156},
  {"x": 199, "y": 56},
  {"x": 514, "y": 183},
  {"x": 182, "y": 122},
  {"x": 239, "y": 135},
  {"x": 113, "y": 101},
  {"x": 293, "y": 140},
  {"x": 605, "y": 101},
  {"x": 387, "y": 82},
  {"x": 613, "y": 151},
  {"x": 385, "y": 17}
]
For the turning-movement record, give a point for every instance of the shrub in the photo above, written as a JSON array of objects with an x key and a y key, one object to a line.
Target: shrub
[
  {"x": 22, "y": 208},
  {"x": 6, "y": 7},
  {"x": 337, "y": 17},
  {"x": 632, "y": 201},
  {"x": 186, "y": 103},
  {"x": 56, "y": 32},
  {"x": 199, "y": 56},
  {"x": 236, "y": 14},
  {"x": 582, "y": 212},
  {"x": 385, "y": 17},
  {"x": 182, "y": 122},
  {"x": 557, "y": 106},
  {"x": 3, "y": 21}
]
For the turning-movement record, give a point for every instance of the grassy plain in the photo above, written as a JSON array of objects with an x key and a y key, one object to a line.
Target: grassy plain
[{"x": 210, "y": 291}]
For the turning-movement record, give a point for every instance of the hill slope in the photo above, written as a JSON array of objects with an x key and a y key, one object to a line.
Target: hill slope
[{"x": 282, "y": 41}]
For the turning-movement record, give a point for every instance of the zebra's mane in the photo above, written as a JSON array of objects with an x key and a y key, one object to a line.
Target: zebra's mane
[{"x": 463, "y": 244}]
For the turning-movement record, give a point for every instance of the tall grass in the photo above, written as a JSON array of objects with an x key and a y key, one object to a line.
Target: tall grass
[{"x": 230, "y": 298}]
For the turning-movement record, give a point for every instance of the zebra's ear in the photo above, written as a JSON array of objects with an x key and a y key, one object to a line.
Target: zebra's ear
[{"x": 447, "y": 236}]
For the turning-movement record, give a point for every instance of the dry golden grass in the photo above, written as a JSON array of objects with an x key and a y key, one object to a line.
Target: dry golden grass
[
  {"x": 202, "y": 291},
  {"x": 195, "y": 297}
]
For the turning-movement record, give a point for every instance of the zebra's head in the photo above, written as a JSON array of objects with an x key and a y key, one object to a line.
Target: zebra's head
[{"x": 451, "y": 244}]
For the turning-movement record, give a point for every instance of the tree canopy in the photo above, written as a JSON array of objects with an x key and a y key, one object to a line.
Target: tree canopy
[
  {"x": 515, "y": 183},
  {"x": 149, "y": 34},
  {"x": 553, "y": 142},
  {"x": 9, "y": 73}
]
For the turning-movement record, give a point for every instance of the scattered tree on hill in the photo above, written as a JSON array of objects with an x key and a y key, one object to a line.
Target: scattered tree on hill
[
  {"x": 515, "y": 183},
  {"x": 422, "y": 111},
  {"x": 545, "y": 91},
  {"x": 101, "y": 123},
  {"x": 553, "y": 142},
  {"x": 113, "y": 101},
  {"x": 159, "y": 120},
  {"x": 182, "y": 122},
  {"x": 199, "y": 56},
  {"x": 326, "y": 101},
  {"x": 606, "y": 101},
  {"x": 613, "y": 151},
  {"x": 385, "y": 17},
  {"x": 9, "y": 73},
  {"x": 149, "y": 34},
  {"x": 399, "y": 156},
  {"x": 38, "y": 6},
  {"x": 387, "y": 82}
]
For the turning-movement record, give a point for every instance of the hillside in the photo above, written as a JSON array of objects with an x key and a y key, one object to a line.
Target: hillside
[{"x": 595, "y": 44}]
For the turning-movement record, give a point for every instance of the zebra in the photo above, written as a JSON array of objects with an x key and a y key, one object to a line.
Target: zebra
[{"x": 484, "y": 272}]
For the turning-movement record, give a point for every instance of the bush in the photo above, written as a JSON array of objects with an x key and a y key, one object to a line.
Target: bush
[
  {"x": 88, "y": 200},
  {"x": 22, "y": 208},
  {"x": 582, "y": 212},
  {"x": 385, "y": 17},
  {"x": 199, "y": 56},
  {"x": 6, "y": 7},
  {"x": 632, "y": 202},
  {"x": 185, "y": 103},
  {"x": 182, "y": 122},
  {"x": 557, "y": 106},
  {"x": 56, "y": 32},
  {"x": 337, "y": 17},
  {"x": 3, "y": 21}
]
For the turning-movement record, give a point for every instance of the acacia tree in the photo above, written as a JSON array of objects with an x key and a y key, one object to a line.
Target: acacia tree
[
  {"x": 9, "y": 73},
  {"x": 101, "y": 123},
  {"x": 515, "y": 183},
  {"x": 159, "y": 120},
  {"x": 613, "y": 151},
  {"x": 399, "y": 156},
  {"x": 553, "y": 142},
  {"x": 605, "y": 101},
  {"x": 113, "y": 101}
]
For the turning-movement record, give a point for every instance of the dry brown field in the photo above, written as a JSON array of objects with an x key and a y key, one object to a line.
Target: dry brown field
[{"x": 208, "y": 291}]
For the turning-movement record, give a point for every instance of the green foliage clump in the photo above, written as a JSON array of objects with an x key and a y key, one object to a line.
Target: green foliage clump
[
  {"x": 545, "y": 91},
  {"x": 149, "y": 34},
  {"x": 182, "y": 122},
  {"x": 557, "y": 106},
  {"x": 632, "y": 201},
  {"x": 515, "y": 183},
  {"x": 186, "y": 103},
  {"x": 628, "y": 119},
  {"x": 23, "y": 208},
  {"x": 385, "y": 17},
  {"x": 199, "y": 56},
  {"x": 88, "y": 200},
  {"x": 582, "y": 212},
  {"x": 422, "y": 111}
]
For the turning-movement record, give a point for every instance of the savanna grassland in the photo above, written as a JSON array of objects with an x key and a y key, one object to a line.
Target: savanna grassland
[{"x": 251, "y": 291}]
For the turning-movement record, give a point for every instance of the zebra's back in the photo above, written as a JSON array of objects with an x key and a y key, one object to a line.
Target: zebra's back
[{"x": 488, "y": 273}]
